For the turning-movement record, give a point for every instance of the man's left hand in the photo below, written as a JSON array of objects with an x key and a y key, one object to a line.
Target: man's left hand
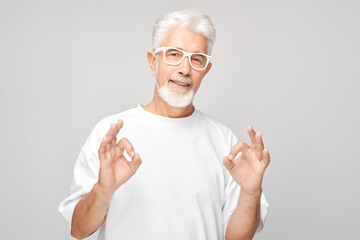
[{"x": 249, "y": 167}]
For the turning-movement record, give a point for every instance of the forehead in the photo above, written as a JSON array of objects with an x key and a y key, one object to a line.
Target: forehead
[{"x": 186, "y": 40}]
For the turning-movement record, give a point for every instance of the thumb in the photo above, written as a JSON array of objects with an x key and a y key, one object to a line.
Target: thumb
[{"x": 228, "y": 163}]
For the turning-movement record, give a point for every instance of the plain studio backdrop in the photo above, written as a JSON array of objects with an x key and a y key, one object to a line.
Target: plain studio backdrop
[{"x": 289, "y": 68}]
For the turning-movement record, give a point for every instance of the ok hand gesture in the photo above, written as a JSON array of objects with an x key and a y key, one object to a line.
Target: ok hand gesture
[
  {"x": 115, "y": 169},
  {"x": 248, "y": 169}
]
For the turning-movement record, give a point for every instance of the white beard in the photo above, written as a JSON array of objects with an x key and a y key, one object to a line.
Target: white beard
[{"x": 175, "y": 97}]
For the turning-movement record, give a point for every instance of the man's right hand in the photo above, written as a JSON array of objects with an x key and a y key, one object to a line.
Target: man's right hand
[
  {"x": 115, "y": 169},
  {"x": 90, "y": 212}
]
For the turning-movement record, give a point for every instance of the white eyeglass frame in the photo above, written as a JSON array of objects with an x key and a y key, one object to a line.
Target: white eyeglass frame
[{"x": 185, "y": 54}]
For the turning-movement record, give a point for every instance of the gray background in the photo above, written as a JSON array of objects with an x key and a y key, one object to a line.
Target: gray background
[{"x": 290, "y": 68}]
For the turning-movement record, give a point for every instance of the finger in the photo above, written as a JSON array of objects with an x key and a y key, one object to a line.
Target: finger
[
  {"x": 135, "y": 163},
  {"x": 113, "y": 142},
  {"x": 114, "y": 129},
  {"x": 119, "y": 124},
  {"x": 125, "y": 144},
  {"x": 111, "y": 134},
  {"x": 251, "y": 133},
  {"x": 266, "y": 157},
  {"x": 228, "y": 163},
  {"x": 259, "y": 145},
  {"x": 104, "y": 145},
  {"x": 238, "y": 147}
]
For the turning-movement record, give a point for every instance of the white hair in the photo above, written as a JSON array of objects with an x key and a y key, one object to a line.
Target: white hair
[{"x": 189, "y": 19}]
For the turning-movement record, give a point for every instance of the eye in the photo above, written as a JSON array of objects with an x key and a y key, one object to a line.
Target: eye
[
  {"x": 198, "y": 59},
  {"x": 172, "y": 53}
]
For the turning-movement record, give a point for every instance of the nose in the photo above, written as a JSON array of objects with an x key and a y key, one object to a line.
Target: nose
[{"x": 185, "y": 67}]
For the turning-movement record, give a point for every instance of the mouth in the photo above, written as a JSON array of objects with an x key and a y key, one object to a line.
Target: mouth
[{"x": 181, "y": 84}]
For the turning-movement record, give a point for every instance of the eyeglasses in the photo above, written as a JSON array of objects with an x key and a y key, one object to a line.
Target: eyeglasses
[{"x": 175, "y": 56}]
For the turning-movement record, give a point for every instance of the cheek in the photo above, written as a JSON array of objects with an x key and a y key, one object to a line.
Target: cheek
[
  {"x": 197, "y": 82},
  {"x": 162, "y": 75},
  {"x": 162, "y": 70}
]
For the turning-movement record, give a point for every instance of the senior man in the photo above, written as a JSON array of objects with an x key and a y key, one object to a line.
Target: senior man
[{"x": 194, "y": 180}]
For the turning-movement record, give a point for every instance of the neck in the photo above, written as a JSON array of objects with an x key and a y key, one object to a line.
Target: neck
[{"x": 159, "y": 107}]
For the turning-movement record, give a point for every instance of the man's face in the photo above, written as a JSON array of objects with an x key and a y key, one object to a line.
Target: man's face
[{"x": 169, "y": 78}]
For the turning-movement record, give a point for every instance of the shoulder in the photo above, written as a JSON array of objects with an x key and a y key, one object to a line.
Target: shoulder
[
  {"x": 102, "y": 127},
  {"x": 105, "y": 123}
]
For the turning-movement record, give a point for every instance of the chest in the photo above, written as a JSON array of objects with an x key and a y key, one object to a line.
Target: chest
[{"x": 179, "y": 166}]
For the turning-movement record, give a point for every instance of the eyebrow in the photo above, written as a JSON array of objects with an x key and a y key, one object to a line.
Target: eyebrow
[{"x": 185, "y": 51}]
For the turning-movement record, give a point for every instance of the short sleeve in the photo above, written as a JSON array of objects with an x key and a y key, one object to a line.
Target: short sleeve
[
  {"x": 231, "y": 197},
  {"x": 86, "y": 172}
]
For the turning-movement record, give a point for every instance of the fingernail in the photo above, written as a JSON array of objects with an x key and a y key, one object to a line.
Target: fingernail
[
  {"x": 132, "y": 154},
  {"x": 231, "y": 157}
]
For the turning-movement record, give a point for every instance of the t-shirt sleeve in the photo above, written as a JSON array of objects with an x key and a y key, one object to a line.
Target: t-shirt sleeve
[
  {"x": 86, "y": 171},
  {"x": 231, "y": 196}
]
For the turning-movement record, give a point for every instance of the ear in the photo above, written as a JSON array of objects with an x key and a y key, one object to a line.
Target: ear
[
  {"x": 152, "y": 62},
  {"x": 207, "y": 68}
]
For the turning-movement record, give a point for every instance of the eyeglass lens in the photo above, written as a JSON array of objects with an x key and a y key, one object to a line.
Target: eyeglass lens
[{"x": 174, "y": 56}]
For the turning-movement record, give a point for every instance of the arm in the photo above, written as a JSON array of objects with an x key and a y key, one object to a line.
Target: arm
[
  {"x": 90, "y": 212},
  {"x": 245, "y": 219},
  {"x": 248, "y": 171}
]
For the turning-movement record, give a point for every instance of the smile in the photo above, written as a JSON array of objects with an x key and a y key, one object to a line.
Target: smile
[{"x": 180, "y": 83}]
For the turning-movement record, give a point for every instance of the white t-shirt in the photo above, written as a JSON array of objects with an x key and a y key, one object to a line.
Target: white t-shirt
[{"x": 181, "y": 191}]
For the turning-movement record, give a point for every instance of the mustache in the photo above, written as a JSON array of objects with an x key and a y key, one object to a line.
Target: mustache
[{"x": 181, "y": 79}]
